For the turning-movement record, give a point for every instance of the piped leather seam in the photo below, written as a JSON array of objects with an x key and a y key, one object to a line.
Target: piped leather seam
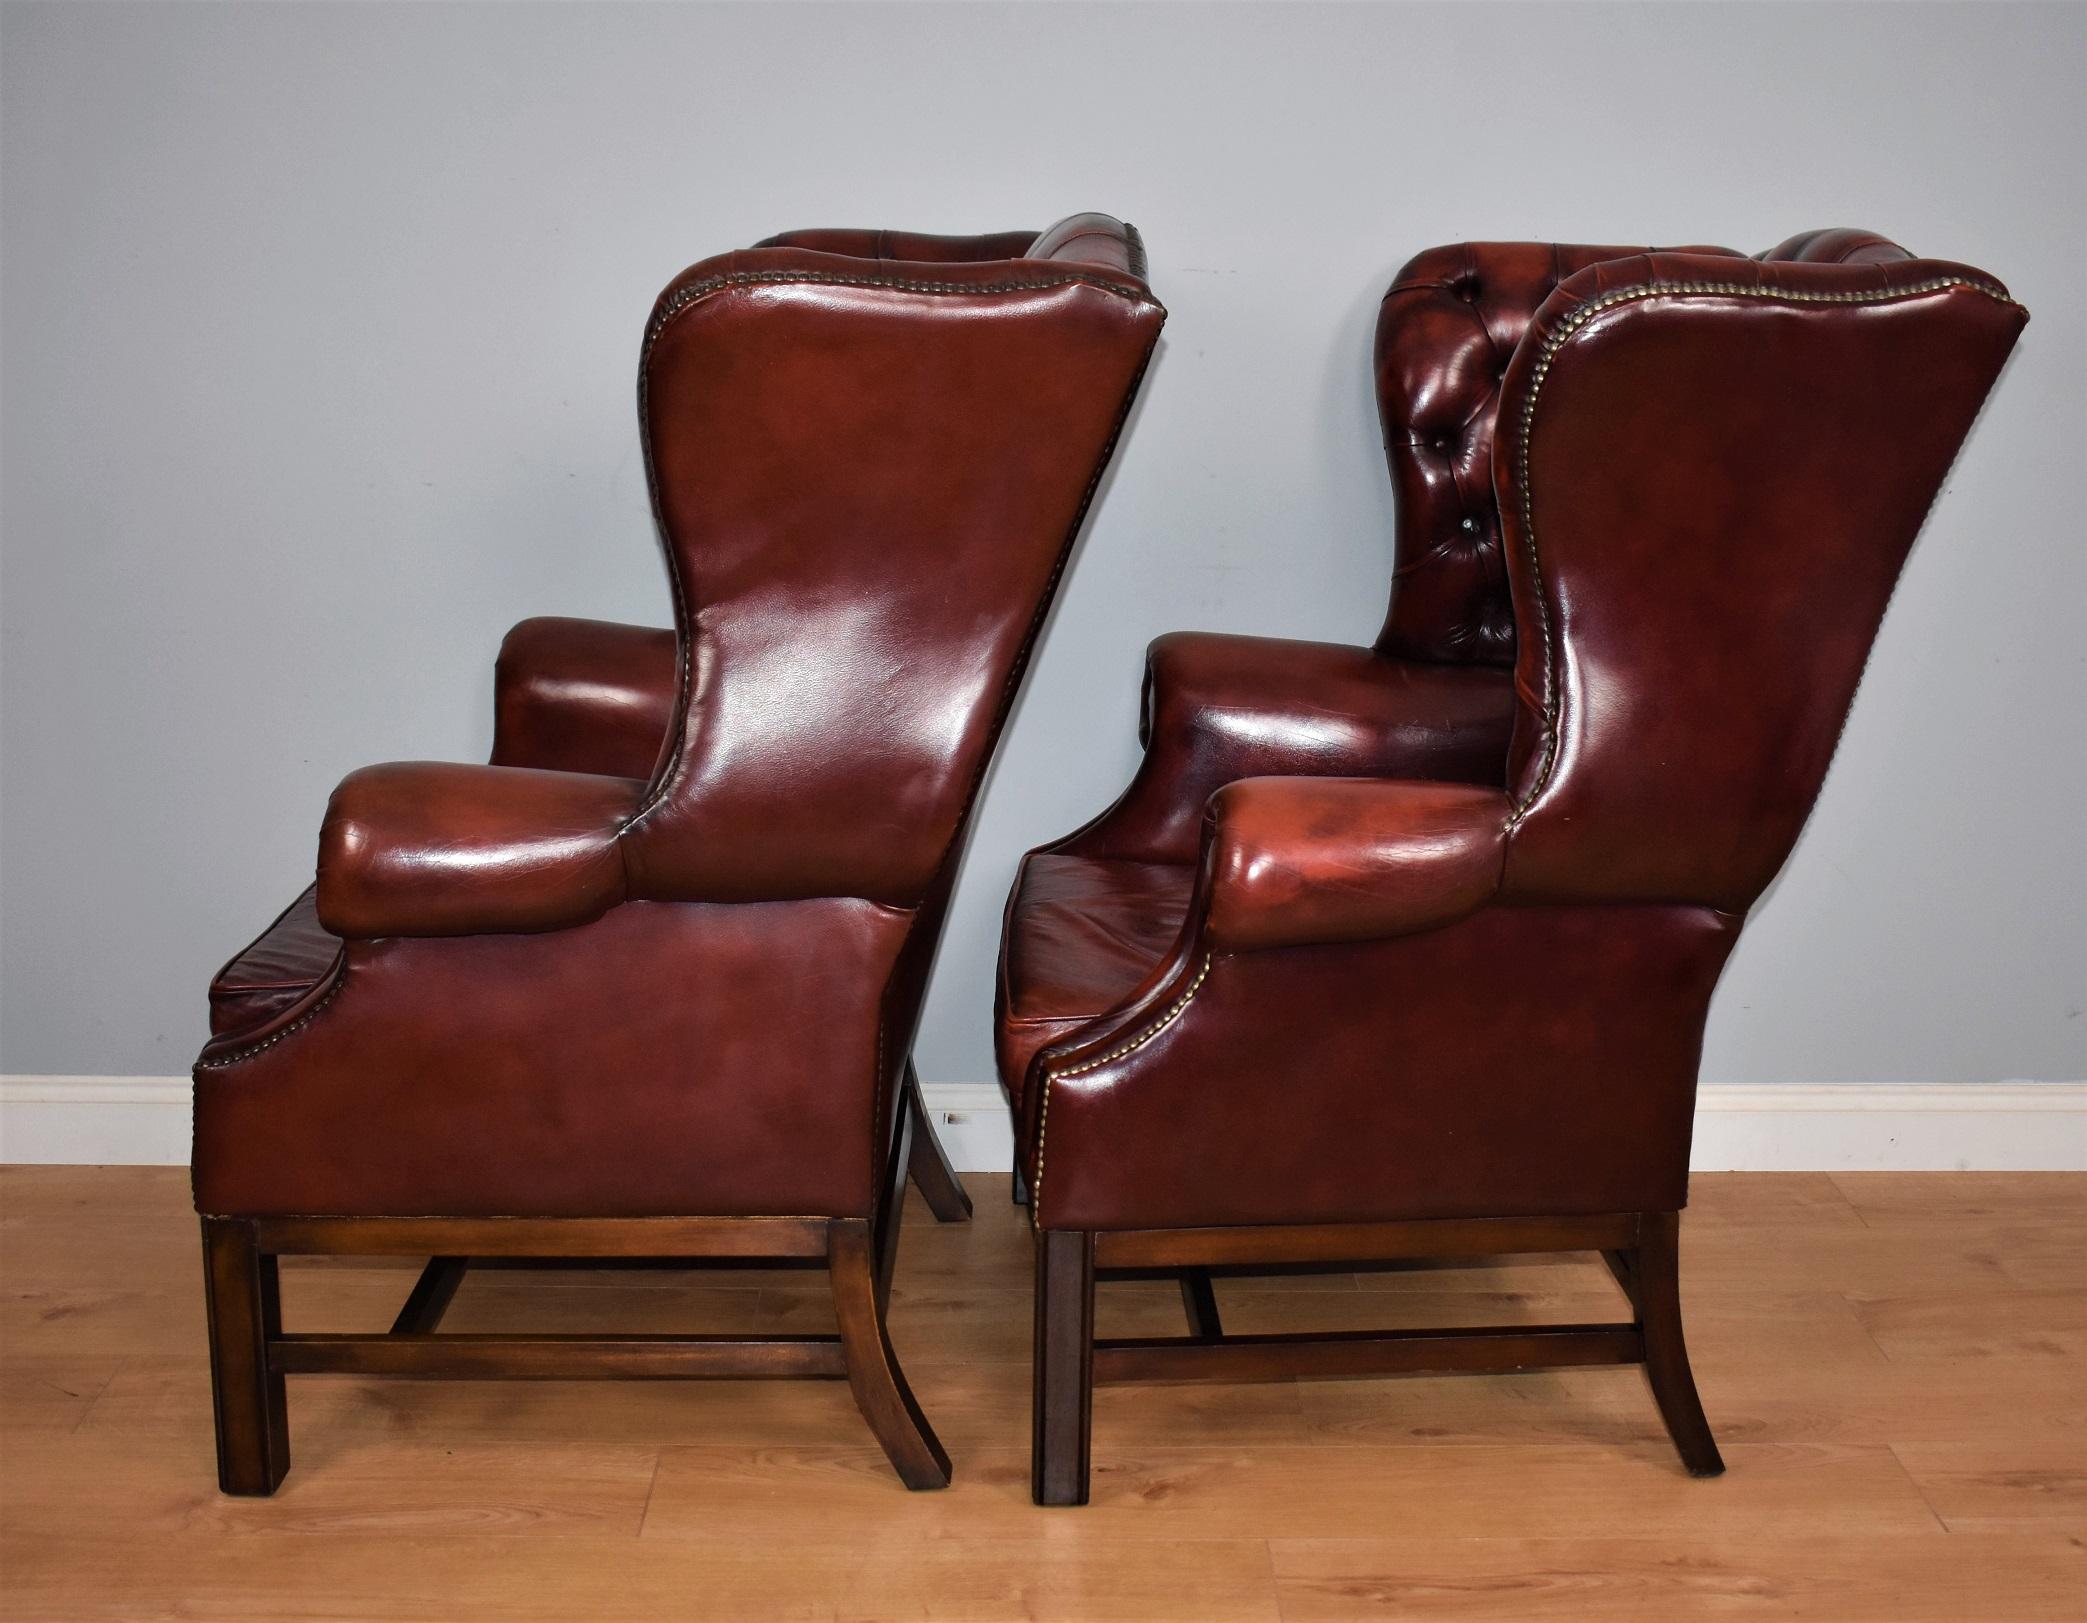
[
  {"x": 680, "y": 300},
  {"x": 223, "y": 1061},
  {"x": 1573, "y": 323},
  {"x": 1043, "y": 1111}
]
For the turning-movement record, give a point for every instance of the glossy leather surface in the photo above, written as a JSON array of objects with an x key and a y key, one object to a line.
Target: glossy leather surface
[
  {"x": 436, "y": 848},
  {"x": 724, "y": 1072},
  {"x": 584, "y": 696},
  {"x": 1446, "y": 331},
  {"x": 1082, "y": 933},
  {"x": 1711, "y": 572},
  {"x": 1297, "y": 861},
  {"x": 665, "y": 955},
  {"x": 1218, "y": 708},
  {"x": 1515, "y": 1063},
  {"x": 855, "y": 641},
  {"x": 1095, "y": 913},
  {"x": 276, "y": 970},
  {"x": 1390, "y": 1000}
]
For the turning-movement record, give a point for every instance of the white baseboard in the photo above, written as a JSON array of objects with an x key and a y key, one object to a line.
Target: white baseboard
[
  {"x": 1978, "y": 1126},
  {"x": 136, "y": 1121},
  {"x": 1847, "y": 1127},
  {"x": 1890, "y": 1127},
  {"x": 972, "y": 1121}
]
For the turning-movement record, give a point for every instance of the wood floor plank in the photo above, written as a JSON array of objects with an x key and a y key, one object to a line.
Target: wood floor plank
[
  {"x": 1809, "y": 1200},
  {"x": 361, "y": 1578},
  {"x": 2002, "y": 1485},
  {"x": 340, "y": 1483},
  {"x": 51, "y": 1392},
  {"x": 98, "y": 1243},
  {"x": 1875, "y": 1260},
  {"x": 91, "y": 1320},
  {"x": 1936, "y": 1401},
  {"x": 1807, "y": 1579},
  {"x": 1305, "y": 1492},
  {"x": 1937, "y": 1325},
  {"x": 81, "y": 1191},
  {"x": 1965, "y": 1196},
  {"x": 1895, "y": 1365}
]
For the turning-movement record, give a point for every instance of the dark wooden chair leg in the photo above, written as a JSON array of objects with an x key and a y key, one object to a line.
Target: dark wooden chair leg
[
  {"x": 1062, "y": 1393},
  {"x": 928, "y": 1162},
  {"x": 1655, "y": 1286},
  {"x": 248, "y": 1400},
  {"x": 874, "y": 1375},
  {"x": 891, "y": 1206},
  {"x": 1624, "y": 1265},
  {"x": 1199, "y": 1301},
  {"x": 430, "y": 1297}
]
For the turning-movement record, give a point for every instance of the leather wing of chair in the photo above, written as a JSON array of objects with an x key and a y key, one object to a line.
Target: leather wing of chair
[
  {"x": 1409, "y": 950},
  {"x": 662, "y": 959}
]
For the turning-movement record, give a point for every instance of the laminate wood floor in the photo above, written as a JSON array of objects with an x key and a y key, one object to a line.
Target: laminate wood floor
[{"x": 1895, "y": 1364}]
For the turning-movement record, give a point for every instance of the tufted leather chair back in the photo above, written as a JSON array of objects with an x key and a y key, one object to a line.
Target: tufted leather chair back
[
  {"x": 1447, "y": 330},
  {"x": 870, "y": 453}
]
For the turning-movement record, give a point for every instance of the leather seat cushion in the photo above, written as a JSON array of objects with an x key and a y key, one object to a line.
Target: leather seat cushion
[
  {"x": 288, "y": 959},
  {"x": 1082, "y": 933}
]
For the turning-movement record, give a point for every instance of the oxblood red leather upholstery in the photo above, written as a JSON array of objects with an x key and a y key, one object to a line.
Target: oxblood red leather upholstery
[
  {"x": 584, "y": 696},
  {"x": 569, "y": 696},
  {"x": 1448, "y": 327},
  {"x": 1432, "y": 931},
  {"x": 432, "y": 848},
  {"x": 1082, "y": 934},
  {"x": 276, "y": 971},
  {"x": 1433, "y": 700},
  {"x": 664, "y": 956}
]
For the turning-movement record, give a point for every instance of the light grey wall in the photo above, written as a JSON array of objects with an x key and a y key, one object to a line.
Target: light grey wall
[{"x": 320, "y": 328}]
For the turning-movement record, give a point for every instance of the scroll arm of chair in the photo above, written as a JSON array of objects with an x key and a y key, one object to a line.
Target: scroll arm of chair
[
  {"x": 584, "y": 696},
  {"x": 1322, "y": 705},
  {"x": 1219, "y": 708},
  {"x": 426, "y": 848},
  {"x": 1293, "y": 861}
]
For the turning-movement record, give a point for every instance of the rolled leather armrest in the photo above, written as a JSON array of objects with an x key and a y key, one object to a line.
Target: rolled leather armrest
[
  {"x": 1220, "y": 708},
  {"x": 427, "y": 848},
  {"x": 1288, "y": 861},
  {"x": 584, "y": 696}
]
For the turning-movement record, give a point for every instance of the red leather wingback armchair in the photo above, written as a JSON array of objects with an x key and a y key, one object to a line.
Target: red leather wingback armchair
[
  {"x": 1406, "y": 950},
  {"x": 645, "y": 985}
]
